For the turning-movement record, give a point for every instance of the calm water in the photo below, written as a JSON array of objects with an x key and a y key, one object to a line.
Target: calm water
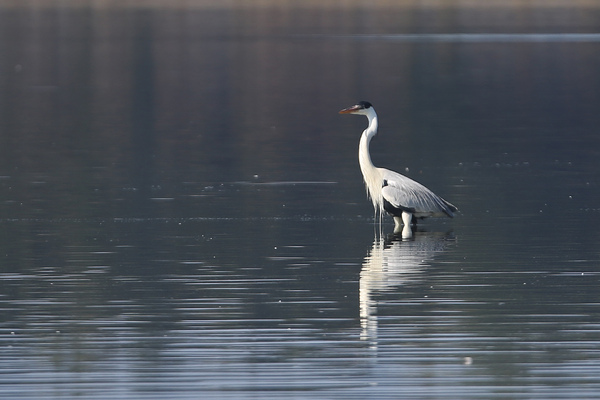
[{"x": 182, "y": 214}]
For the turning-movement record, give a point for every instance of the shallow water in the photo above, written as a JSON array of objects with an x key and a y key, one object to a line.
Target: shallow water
[{"x": 182, "y": 213}]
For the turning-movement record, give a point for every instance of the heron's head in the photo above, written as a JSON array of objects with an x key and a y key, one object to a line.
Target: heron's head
[{"x": 361, "y": 108}]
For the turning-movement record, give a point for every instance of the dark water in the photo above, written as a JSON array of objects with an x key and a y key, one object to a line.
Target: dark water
[{"x": 182, "y": 213}]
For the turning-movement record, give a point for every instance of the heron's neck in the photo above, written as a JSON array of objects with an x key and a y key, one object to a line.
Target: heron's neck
[
  {"x": 364, "y": 156},
  {"x": 369, "y": 171}
]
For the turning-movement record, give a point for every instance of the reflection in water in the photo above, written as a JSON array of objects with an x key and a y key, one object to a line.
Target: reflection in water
[
  {"x": 134, "y": 263},
  {"x": 391, "y": 263}
]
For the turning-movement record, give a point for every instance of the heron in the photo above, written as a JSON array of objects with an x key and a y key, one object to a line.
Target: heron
[{"x": 401, "y": 197}]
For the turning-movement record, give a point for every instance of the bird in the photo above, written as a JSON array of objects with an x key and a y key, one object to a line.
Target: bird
[{"x": 403, "y": 198}]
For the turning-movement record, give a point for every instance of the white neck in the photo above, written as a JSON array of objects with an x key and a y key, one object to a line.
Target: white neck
[
  {"x": 369, "y": 171},
  {"x": 364, "y": 155}
]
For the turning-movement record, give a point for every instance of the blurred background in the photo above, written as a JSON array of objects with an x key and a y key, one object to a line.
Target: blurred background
[{"x": 182, "y": 212}]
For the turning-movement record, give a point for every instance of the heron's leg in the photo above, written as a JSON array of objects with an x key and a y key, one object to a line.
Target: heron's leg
[
  {"x": 397, "y": 224},
  {"x": 407, "y": 230},
  {"x": 406, "y": 218}
]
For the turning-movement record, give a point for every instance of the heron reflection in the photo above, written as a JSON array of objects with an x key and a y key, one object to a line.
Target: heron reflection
[{"x": 391, "y": 263}]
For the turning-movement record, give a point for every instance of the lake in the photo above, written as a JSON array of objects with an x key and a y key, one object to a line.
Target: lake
[{"x": 183, "y": 215}]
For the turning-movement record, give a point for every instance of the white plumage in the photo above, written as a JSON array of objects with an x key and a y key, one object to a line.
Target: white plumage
[{"x": 390, "y": 191}]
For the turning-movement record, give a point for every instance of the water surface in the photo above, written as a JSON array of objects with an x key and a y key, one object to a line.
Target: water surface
[{"x": 182, "y": 213}]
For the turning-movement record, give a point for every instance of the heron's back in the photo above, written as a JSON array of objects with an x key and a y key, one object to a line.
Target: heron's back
[{"x": 408, "y": 195}]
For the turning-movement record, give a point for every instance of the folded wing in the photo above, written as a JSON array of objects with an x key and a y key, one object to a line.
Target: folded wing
[{"x": 403, "y": 194}]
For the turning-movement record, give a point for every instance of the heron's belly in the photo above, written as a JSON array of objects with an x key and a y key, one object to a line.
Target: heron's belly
[{"x": 397, "y": 211}]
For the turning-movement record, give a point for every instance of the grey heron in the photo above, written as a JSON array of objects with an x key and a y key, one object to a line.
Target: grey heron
[{"x": 401, "y": 197}]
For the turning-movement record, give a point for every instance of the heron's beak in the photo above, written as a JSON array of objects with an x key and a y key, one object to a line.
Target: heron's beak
[{"x": 351, "y": 110}]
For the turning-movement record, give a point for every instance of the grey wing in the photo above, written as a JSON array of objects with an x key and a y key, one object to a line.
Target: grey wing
[{"x": 407, "y": 195}]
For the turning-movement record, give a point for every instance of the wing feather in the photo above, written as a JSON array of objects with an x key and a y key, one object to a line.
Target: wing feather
[{"x": 408, "y": 195}]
